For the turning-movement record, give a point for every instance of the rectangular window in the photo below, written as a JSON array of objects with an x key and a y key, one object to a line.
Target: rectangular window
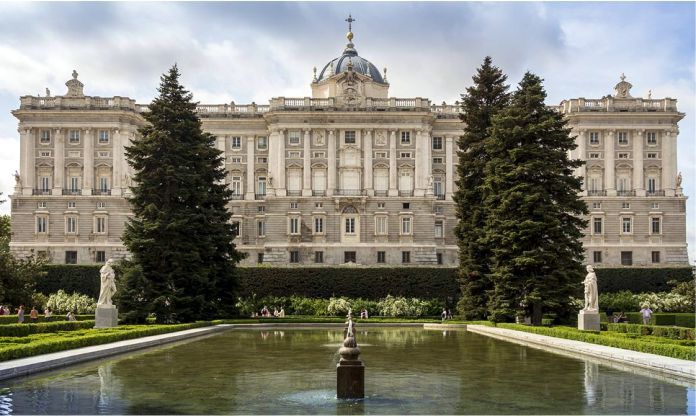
[
  {"x": 594, "y": 137},
  {"x": 652, "y": 185},
  {"x": 45, "y": 182},
  {"x": 261, "y": 209},
  {"x": 259, "y": 258},
  {"x": 597, "y": 226},
  {"x": 405, "y": 137},
  {"x": 42, "y": 225},
  {"x": 439, "y": 229},
  {"x": 318, "y": 225},
  {"x": 622, "y": 184},
  {"x": 623, "y": 155},
  {"x": 319, "y": 155},
  {"x": 439, "y": 258},
  {"x": 651, "y": 138},
  {"x": 260, "y": 228},
  {"x": 437, "y": 143},
  {"x": 262, "y": 143},
  {"x": 71, "y": 204},
  {"x": 74, "y": 153},
  {"x": 294, "y": 138},
  {"x": 438, "y": 188},
  {"x": 100, "y": 225},
  {"x": 596, "y": 256},
  {"x": 381, "y": 257},
  {"x": 405, "y": 256},
  {"x": 294, "y": 225},
  {"x": 100, "y": 256},
  {"x": 293, "y": 205},
  {"x": 623, "y": 138},
  {"x": 380, "y": 205},
  {"x": 236, "y": 228},
  {"x": 655, "y": 256},
  {"x": 71, "y": 257},
  {"x": 655, "y": 205},
  {"x": 626, "y": 223},
  {"x": 596, "y": 205},
  {"x": 103, "y": 154},
  {"x": 294, "y": 155},
  {"x": 625, "y": 205},
  {"x": 74, "y": 136},
  {"x": 439, "y": 210},
  {"x": 45, "y": 153},
  {"x": 437, "y": 160},
  {"x": 70, "y": 225},
  {"x": 406, "y": 205},
  {"x": 626, "y": 258},
  {"x": 349, "y": 257},
  {"x": 652, "y": 155},
  {"x": 405, "y": 155},
  {"x": 101, "y": 205},
  {"x": 655, "y": 225},
  {"x": 42, "y": 205},
  {"x": 318, "y": 205},
  {"x": 262, "y": 160},
  {"x": 350, "y": 226},
  {"x": 236, "y": 142},
  {"x": 74, "y": 183},
  {"x": 236, "y": 159},
  {"x": 381, "y": 155},
  {"x": 406, "y": 226},
  {"x": 294, "y": 256},
  {"x": 103, "y": 183},
  {"x": 261, "y": 186},
  {"x": 350, "y": 137},
  {"x": 103, "y": 136},
  {"x": 45, "y": 137},
  {"x": 318, "y": 256},
  {"x": 381, "y": 225}
]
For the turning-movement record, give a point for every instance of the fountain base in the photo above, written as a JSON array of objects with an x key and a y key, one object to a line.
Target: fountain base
[{"x": 350, "y": 380}]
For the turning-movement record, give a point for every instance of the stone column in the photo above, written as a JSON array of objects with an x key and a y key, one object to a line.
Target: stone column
[
  {"x": 367, "y": 163},
  {"x": 88, "y": 165},
  {"x": 307, "y": 164},
  {"x": 251, "y": 160},
  {"x": 118, "y": 160},
  {"x": 669, "y": 162},
  {"x": 609, "y": 171},
  {"x": 419, "y": 189},
  {"x": 331, "y": 150},
  {"x": 582, "y": 155},
  {"x": 27, "y": 171},
  {"x": 393, "y": 191},
  {"x": 449, "y": 167},
  {"x": 273, "y": 156},
  {"x": 58, "y": 162},
  {"x": 638, "y": 174},
  {"x": 280, "y": 179},
  {"x": 427, "y": 161}
]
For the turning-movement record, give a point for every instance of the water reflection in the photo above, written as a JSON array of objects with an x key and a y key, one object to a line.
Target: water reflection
[{"x": 290, "y": 371}]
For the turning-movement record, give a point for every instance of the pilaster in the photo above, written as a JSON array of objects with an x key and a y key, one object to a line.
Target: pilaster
[
  {"x": 331, "y": 150},
  {"x": 280, "y": 179},
  {"x": 669, "y": 162},
  {"x": 273, "y": 156},
  {"x": 306, "y": 164},
  {"x": 609, "y": 162},
  {"x": 27, "y": 170},
  {"x": 420, "y": 178},
  {"x": 88, "y": 161},
  {"x": 449, "y": 167},
  {"x": 367, "y": 162},
  {"x": 251, "y": 159},
  {"x": 118, "y": 160},
  {"x": 58, "y": 162},
  {"x": 638, "y": 173},
  {"x": 393, "y": 191}
]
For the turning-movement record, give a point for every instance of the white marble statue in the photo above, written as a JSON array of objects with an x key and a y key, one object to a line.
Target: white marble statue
[
  {"x": 679, "y": 180},
  {"x": 108, "y": 284},
  {"x": 591, "y": 296}
]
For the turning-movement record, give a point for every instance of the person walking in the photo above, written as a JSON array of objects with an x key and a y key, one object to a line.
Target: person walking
[
  {"x": 48, "y": 315},
  {"x": 33, "y": 315},
  {"x": 646, "y": 313},
  {"x": 20, "y": 314}
]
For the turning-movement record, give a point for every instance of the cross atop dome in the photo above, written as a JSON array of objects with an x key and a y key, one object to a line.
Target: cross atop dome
[{"x": 350, "y": 21}]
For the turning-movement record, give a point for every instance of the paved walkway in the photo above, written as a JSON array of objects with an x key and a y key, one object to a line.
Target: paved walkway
[{"x": 681, "y": 369}]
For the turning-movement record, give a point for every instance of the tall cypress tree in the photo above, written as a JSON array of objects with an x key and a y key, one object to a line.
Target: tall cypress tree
[
  {"x": 482, "y": 100},
  {"x": 533, "y": 208},
  {"x": 179, "y": 236}
]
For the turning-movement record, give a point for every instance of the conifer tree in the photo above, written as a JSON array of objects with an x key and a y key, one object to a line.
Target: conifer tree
[
  {"x": 180, "y": 237},
  {"x": 533, "y": 224},
  {"x": 482, "y": 100}
]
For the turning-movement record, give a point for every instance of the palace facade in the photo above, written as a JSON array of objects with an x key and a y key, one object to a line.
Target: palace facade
[{"x": 348, "y": 175}]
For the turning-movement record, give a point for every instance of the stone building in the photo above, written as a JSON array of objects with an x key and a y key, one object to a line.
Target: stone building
[{"x": 348, "y": 175}]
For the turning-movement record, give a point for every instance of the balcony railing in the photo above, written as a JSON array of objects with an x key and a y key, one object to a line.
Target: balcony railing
[
  {"x": 318, "y": 193},
  {"x": 101, "y": 192},
  {"x": 294, "y": 193},
  {"x": 259, "y": 196},
  {"x": 237, "y": 196},
  {"x": 655, "y": 193},
  {"x": 41, "y": 192},
  {"x": 626, "y": 193},
  {"x": 405, "y": 193},
  {"x": 349, "y": 192},
  {"x": 381, "y": 193},
  {"x": 610, "y": 104},
  {"x": 72, "y": 191},
  {"x": 440, "y": 197},
  {"x": 595, "y": 192}
]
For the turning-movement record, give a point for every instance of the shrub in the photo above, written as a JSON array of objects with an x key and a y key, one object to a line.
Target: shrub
[
  {"x": 687, "y": 320},
  {"x": 400, "y": 306},
  {"x": 619, "y": 301},
  {"x": 61, "y": 302},
  {"x": 80, "y": 278},
  {"x": 12, "y": 319},
  {"x": 658, "y": 331},
  {"x": 22, "y": 330},
  {"x": 338, "y": 306}
]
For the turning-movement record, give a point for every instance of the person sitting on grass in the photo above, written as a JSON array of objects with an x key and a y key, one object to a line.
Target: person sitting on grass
[
  {"x": 265, "y": 312},
  {"x": 620, "y": 318},
  {"x": 70, "y": 316}
]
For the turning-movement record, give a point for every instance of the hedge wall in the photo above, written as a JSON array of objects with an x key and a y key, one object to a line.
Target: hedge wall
[
  {"x": 640, "y": 280},
  {"x": 362, "y": 282}
]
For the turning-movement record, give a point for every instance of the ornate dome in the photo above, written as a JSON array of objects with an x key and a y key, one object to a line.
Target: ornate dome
[{"x": 350, "y": 56}]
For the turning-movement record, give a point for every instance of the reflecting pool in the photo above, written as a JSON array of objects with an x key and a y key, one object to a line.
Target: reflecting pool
[{"x": 293, "y": 371}]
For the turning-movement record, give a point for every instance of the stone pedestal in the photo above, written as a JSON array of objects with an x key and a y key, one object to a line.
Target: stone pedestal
[
  {"x": 106, "y": 317},
  {"x": 350, "y": 380},
  {"x": 588, "y": 320}
]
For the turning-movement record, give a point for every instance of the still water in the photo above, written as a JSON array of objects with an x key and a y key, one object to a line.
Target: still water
[{"x": 408, "y": 371}]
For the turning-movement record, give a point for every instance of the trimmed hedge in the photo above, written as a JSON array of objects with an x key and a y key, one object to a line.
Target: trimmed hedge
[
  {"x": 687, "y": 320},
  {"x": 12, "y": 319},
  {"x": 671, "y": 332},
  {"x": 80, "y": 278},
  {"x": 48, "y": 343},
  {"x": 639, "y": 279},
  {"x": 23, "y": 330},
  {"x": 641, "y": 345}
]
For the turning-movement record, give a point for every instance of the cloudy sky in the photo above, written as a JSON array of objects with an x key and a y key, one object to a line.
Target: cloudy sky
[{"x": 247, "y": 52}]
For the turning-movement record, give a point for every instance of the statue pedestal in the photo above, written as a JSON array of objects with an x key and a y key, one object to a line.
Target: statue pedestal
[
  {"x": 588, "y": 320},
  {"x": 106, "y": 317}
]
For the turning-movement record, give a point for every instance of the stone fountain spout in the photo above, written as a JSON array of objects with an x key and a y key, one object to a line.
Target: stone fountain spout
[{"x": 350, "y": 371}]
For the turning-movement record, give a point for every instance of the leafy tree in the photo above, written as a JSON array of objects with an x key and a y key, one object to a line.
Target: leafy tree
[
  {"x": 180, "y": 236},
  {"x": 17, "y": 276},
  {"x": 533, "y": 224},
  {"x": 482, "y": 100}
]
